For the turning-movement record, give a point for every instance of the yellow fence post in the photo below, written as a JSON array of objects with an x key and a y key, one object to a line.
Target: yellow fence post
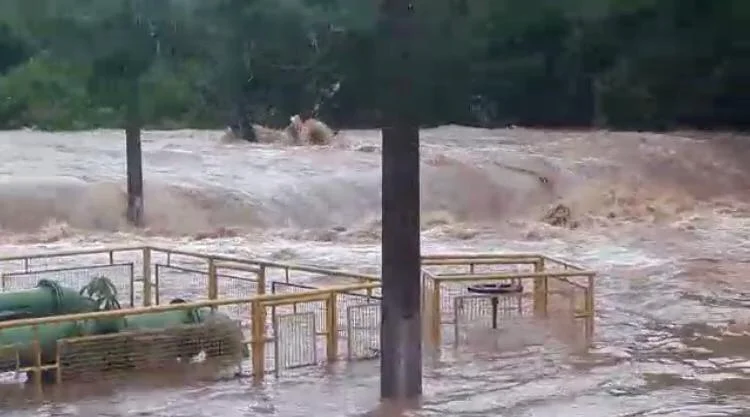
[
  {"x": 58, "y": 370},
  {"x": 424, "y": 295},
  {"x": 332, "y": 340},
  {"x": 262, "y": 280},
  {"x": 146, "y": 260},
  {"x": 541, "y": 289},
  {"x": 435, "y": 314},
  {"x": 590, "y": 310},
  {"x": 427, "y": 293},
  {"x": 262, "y": 291},
  {"x": 37, "y": 359},
  {"x": 213, "y": 285},
  {"x": 258, "y": 341}
]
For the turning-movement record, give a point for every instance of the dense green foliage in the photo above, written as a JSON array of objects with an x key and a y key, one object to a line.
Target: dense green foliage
[{"x": 646, "y": 64}]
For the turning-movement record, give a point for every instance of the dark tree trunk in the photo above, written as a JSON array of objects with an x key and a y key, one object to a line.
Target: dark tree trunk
[{"x": 134, "y": 159}]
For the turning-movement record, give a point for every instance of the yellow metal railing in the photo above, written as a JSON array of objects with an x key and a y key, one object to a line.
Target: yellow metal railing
[
  {"x": 555, "y": 284},
  {"x": 460, "y": 266},
  {"x": 146, "y": 257},
  {"x": 38, "y": 362},
  {"x": 342, "y": 306}
]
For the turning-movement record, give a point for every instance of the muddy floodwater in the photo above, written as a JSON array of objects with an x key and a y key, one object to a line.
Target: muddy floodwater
[{"x": 664, "y": 219}]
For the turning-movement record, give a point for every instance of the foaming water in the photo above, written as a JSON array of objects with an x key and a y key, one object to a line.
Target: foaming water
[
  {"x": 662, "y": 218},
  {"x": 196, "y": 183}
]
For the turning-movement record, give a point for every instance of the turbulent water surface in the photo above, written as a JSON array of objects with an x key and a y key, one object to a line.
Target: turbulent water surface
[{"x": 662, "y": 217}]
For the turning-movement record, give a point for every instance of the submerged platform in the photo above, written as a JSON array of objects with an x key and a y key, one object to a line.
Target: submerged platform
[{"x": 283, "y": 316}]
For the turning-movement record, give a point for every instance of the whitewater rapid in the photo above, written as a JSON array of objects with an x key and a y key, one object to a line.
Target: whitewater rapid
[{"x": 663, "y": 218}]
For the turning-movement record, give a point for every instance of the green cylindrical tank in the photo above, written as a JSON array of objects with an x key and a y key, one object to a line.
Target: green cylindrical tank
[
  {"x": 47, "y": 299},
  {"x": 218, "y": 330},
  {"x": 21, "y": 339},
  {"x": 164, "y": 319},
  {"x": 187, "y": 332},
  {"x": 144, "y": 321}
]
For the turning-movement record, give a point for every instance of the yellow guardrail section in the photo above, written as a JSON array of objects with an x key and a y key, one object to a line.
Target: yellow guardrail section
[
  {"x": 284, "y": 315},
  {"x": 555, "y": 284},
  {"x": 258, "y": 339}
]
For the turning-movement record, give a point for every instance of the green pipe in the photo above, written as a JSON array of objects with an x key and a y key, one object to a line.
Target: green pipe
[
  {"x": 146, "y": 321},
  {"x": 21, "y": 338},
  {"x": 223, "y": 327},
  {"x": 47, "y": 299},
  {"x": 163, "y": 320}
]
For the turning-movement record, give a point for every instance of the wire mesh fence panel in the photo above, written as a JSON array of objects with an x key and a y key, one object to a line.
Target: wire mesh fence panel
[
  {"x": 578, "y": 337},
  {"x": 316, "y": 307},
  {"x": 295, "y": 341},
  {"x": 136, "y": 259},
  {"x": 232, "y": 286},
  {"x": 470, "y": 311},
  {"x": 450, "y": 290},
  {"x": 57, "y": 261},
  {"x": 346, "y": 300},
  {"x": 212, "y": 348},
  {"x": 16, "y": 265},
  {"x": 188, "y": 283},
  {"x": 121, "y": 276},
  {"x": 185, "y": 259},
  {"x": 565, "y": 302},
  {"x": 279, "y": 287},
  {"x": 485, "y": 312},
  {"x": 179, "y": 282},
  {"x": 363, "y": 331},
  {"x": 486, "y": 266}
]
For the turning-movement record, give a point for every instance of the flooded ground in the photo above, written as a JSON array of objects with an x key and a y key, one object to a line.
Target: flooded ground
[{"x": 662, "y": 217}]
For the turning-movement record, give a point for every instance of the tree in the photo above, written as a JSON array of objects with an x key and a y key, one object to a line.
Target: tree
[
  {"x": 617, "y": 63},
  {"x": 118, "y": 43}
]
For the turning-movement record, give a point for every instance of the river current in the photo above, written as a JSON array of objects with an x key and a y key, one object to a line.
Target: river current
[{"x": 663, "y": 218}]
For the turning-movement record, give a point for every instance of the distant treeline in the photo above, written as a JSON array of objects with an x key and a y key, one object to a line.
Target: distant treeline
[{"x": 622, "y": 64}]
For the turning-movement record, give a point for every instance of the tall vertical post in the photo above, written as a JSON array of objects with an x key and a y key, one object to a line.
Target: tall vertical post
[
  {"x": 401, "y": 328},
  {"x": 134, "y": 159}
]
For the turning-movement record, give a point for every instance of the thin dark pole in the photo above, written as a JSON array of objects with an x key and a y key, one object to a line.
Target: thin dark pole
[
  {"x": 401, "y": 329},
  {"x": 134, "y": 159}
]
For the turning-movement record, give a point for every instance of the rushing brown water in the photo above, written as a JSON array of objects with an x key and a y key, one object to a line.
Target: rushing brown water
[{"x": 662, "y": 217}]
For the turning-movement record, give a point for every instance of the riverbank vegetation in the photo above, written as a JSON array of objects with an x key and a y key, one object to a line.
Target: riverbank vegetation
[{"x": 622, "y": 64}]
